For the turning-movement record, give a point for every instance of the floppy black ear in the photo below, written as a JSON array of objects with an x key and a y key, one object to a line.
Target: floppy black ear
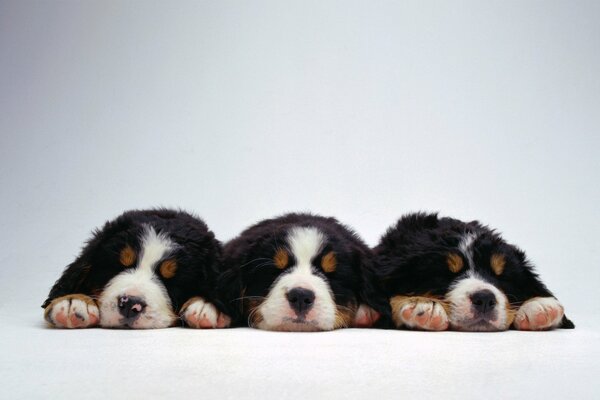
[
  {"x": 228, "y": 294},
  {"x": 566, "y": 323},
  {"x": 75, "y": 277},
  {"x": 206, "y": 257},
  {"x": 73, "y": 280},
  {"x": 533, "y": 286},
  {"x": 371, "y": 291}
]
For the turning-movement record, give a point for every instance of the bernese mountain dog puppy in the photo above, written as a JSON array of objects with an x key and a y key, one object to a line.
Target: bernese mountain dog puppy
[
  {"x": 442, "y": 273},
  {"x": 137, "y": 271},
  {"x": 300, "y": 272}
]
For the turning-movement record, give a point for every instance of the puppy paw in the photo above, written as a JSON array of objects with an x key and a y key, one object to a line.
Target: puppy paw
[
  {"x": 538, "y": 314},
  {"x": 419, "y": 313},
  {"x": 72, "y": 311},
  {"x": 198, "y": 313},
  {"x": 365, "y": 317}
]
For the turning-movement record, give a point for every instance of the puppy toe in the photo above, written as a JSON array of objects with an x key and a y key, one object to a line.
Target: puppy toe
[
  {"x": 365, "y": 317},
  {"x": 73, "y": 311},
  {"x": 540, "y": 313},
  {"x": 439, "y": 318},
  {"x": 421, "y": 313},
  {"x": 223, "y": 321},
  {"x": 200, "y": 314},
  {"x": 407, "y": 312}
]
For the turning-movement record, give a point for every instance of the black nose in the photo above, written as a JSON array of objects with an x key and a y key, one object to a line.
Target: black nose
[
  {"x": 301, "y": 300},
  {"x": 130, "y": 307},
  {"x": 483, "y": 301}
]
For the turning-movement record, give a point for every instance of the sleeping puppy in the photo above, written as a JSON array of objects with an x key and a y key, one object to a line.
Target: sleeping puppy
[
  {"x": 300, "y": 272},
  {"x": 137, "y": 271},
  {"x": 442, "y": 273}
]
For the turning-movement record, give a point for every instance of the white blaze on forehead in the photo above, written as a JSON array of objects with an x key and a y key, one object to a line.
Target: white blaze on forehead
[
  {"x": 305, "y": 243},
  {"x": 466, "y": 247},
  {"x": 461, "y": 314},
  {"x": 155, "y": 246}
]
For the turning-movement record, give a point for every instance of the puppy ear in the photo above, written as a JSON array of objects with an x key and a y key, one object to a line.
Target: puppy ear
[
  {"x": 371, "y": 291},
  {"x": 229, "y": 292},
  {"x": 529, "y": 281},
  {"x": 73, "y": 280},
  {"x": 566, "y": 323},
  {"x": 75, "y": 276},
  {"x": 531, "y": 285}
]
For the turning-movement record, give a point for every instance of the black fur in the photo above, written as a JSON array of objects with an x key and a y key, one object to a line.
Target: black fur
[
  {"x": 411, "y": 259},
  {"x": 249, "y": 272},
  {"x": 198, "y": 256}
]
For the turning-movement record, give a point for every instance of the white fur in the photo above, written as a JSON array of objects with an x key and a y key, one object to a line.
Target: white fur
[
  {"x": 201, "y": 310},
  {"x": 461, "y": 313},
  {"x": 141, "y": 282},
  {"x": 304, "y": 243},
  {"x": 466, "y": 247}
]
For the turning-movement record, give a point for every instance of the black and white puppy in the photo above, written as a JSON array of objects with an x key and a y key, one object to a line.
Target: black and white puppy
[
  {"x": 300, "y": 272},
  {"x": 442, "y": 273},
  {"x": 137, "y": 271}
]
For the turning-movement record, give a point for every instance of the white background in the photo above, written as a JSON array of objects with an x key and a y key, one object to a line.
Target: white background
[{"x": 239, "y": 111}]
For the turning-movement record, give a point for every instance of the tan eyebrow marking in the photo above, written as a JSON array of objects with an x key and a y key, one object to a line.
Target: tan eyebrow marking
[
  {"x": 168, "y": 268},
  {"x": 455, "y": 262},
  {"x": 281, "y": 258},
  {"x": 329, "y": 262},
  {"x": 127, "y": 256},
  {"x": 497, "y": 263}
]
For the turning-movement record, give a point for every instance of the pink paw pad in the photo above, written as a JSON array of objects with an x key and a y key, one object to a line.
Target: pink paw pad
[
  {"x": 365, "y": 317},
  {"x": 407, "y": 312},
  {"x": 204, "y": 323},
  {"x": 61, "y": 318},
  {"x": 223, "y": 321}
]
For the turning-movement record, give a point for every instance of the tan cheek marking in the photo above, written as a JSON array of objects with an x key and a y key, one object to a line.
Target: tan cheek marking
[
  {"x": 510, "y": 315},
  {"x": 168, "y": 268},
  {"x": 127, "y": 256},
  {"x": 498, "y": 262},
  {"x": 253, "y": 312},
  {"x": 281, "y": 258},
  {"x": 344, "y": 316},
  {"x": 329, "y": 262},
  {"x": 455, "y": 262}
]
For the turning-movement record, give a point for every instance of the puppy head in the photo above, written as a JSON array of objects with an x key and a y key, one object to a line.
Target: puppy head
[
  {"x": 136, "y": 296},
  {"x": 142, "y": 267},
  {"x": 485, "y": 276},
  {"x": 481, "y": 277},
  {"x": 299, "y": 277}
]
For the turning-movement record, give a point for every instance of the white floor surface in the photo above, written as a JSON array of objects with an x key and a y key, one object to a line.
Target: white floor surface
[{"x": 39, "y": 362}]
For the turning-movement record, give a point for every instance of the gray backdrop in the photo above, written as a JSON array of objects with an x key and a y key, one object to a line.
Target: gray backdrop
[{"x": 239, "y": 111}]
